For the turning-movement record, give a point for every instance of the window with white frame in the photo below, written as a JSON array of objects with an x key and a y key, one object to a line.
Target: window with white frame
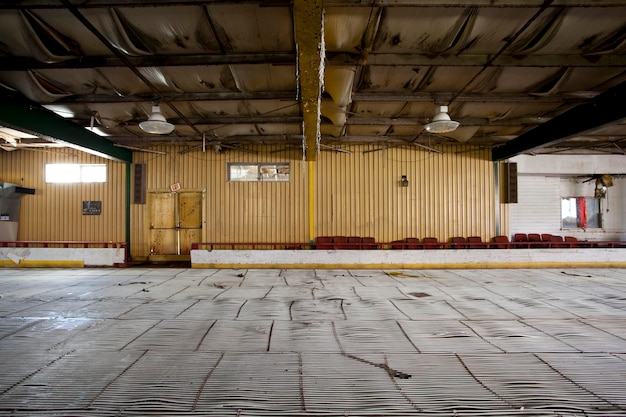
[
  {"x": 259, "y": 172},
  {"x": 581, "y": 213},
  {"x": 75, "y": 173}
]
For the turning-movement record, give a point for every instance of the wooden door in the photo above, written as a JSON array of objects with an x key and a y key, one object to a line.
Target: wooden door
[
  {"x": 175, "y": 222},
  {"x": 190, "y": 219}
]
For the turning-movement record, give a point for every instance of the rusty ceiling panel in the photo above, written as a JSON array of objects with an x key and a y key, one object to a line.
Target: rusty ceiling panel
[
  {"x": 231, "y": 67},
  {"x": 580, "y": 33},
  {"x": 252, "y": 28},
  {"x": 366, "y": 111},
  {"x": 368, "y": 130},
  {"x": 329, "y": 130},
  {"x": 272, "y": 129},
  {"x": 405, "y": 130},
  {"x": 344, "y": 28},
  {"x": 392, "y": 78},
  {"x": 266, "y": 77},
  {"x": 156, "y": 30}
]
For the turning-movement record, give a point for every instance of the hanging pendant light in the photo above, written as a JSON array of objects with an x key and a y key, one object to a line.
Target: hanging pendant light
[
  {"x": 442, "y": 123},
  {"x": 156, "y": 123}
]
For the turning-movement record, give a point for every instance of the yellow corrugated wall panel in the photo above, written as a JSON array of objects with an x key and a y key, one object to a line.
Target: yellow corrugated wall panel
[
  {"x": 233, "y": 211},
  {"x": 54, "y": 212},
  {"x": 449, "y": 194},
  {"x": 357, "y": 194}
]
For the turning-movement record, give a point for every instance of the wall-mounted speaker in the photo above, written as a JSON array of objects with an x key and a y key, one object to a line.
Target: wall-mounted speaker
[
  {"x": 139, "y": 183},
  {"x": 509, "y": 182}
]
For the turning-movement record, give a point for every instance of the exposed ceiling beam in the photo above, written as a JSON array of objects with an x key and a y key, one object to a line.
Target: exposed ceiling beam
[
  {"x": 309, "y": 24},
  {"x": 503, "y": 60},
  {"x": 336, "y": 58},
  {"x": 488, "y": 97},
  {"x": 139, "y": 98},
  {"x": 605, "y": 109},
  {"x": 251, "y": 139},
  {"x": 214, "y": 124},
  {"x": 204, "y": 121},
  {"x": 474, "y": 3},
  {"x": 50, "y": 4},
  {"x": 25, "y": 63},
  {"x": 570, "y": 97},
  {"x": 96, "y": 4},
  {"x": 465, "y": 122},
  {"x": 357, "y": 121},
  {"x": 19, "y": 114},
  {"x": 296, "y": 140}
]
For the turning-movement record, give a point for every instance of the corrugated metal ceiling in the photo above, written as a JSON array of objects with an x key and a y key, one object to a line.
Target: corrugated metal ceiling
[{"x": 229, "y": 70}]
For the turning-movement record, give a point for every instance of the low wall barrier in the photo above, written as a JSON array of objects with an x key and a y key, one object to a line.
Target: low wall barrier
[
  {"x": 438, "y": 255},
  {"x": 61, "y": 254}
]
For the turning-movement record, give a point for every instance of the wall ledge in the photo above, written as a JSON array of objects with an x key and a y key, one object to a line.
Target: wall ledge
[
  {"x": 410, "y": 259},
  {"x": 28, "y": 257}
]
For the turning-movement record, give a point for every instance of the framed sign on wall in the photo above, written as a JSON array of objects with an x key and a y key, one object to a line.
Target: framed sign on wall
[{"x": 92, "y": 208}]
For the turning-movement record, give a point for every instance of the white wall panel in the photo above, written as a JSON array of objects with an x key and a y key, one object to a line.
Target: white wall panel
[
  {"x": 543, "y": 180},
  {"x": 539, "y": 205}
]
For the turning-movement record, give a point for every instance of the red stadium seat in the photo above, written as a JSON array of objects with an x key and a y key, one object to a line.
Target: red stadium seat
[
  {"x": 431, "y": 243},
  {"x": 340, "y": 242},
  {"x": 458, "y": 242},
  {"x": 501, "y": 242},
  {"x": 324, "y": 242},
  {"x": 413, "y": 243},
  {"x": 475, "y": 242}
]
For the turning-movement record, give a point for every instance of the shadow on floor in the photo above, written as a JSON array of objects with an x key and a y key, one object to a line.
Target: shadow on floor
[{"x": 162, "y": 264}]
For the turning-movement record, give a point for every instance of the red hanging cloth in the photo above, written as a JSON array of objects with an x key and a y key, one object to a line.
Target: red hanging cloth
[{"x": 581, "y": 212}]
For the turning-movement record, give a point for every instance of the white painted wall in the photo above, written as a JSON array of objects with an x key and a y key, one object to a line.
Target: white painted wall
[
  {"x": 544, "y": 179},
  {"x": 539, "y": 208},
  {"x": 571, "y": 164}
]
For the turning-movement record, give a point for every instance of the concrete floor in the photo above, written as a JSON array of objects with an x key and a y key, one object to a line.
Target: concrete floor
[{"x": 203, "y": 342}]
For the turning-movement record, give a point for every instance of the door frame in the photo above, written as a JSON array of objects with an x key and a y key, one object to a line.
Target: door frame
[{"x": 147, "y": 228}]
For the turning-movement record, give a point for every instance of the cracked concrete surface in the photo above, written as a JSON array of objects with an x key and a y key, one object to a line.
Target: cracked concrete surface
[{"x": 150, "y": 341}]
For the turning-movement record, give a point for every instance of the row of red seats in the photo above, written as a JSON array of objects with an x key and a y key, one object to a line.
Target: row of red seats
[
  {"x": 520, "y": 240},
  {"x": 345, "y": 242},
  {"x": 457, "y": 242},
  {"x": 415, "y": 243},
  {"x": 546, "y": 240},
  {"x": 498, "y": 242}
]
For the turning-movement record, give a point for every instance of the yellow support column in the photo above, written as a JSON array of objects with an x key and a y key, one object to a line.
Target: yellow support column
[
  {"x": 311, "y": 203},
  {"x": 309, "y": 31}
]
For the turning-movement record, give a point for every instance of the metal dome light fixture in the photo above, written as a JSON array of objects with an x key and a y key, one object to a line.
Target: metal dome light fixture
[
  {"x": 442, "y": 123},
  {"x": 156, "y": 123}
]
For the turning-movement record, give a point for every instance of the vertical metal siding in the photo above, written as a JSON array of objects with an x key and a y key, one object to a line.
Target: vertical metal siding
[
  {"x": 232, "y": 211},
  {"x": 358, "y": 194},
  {"x": 54, "y": 212},
  {"x": 449, "y": 194}
]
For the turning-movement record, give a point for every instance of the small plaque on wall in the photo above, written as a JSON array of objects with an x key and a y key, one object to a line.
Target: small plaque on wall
[{"x": 92, "y": 208}]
